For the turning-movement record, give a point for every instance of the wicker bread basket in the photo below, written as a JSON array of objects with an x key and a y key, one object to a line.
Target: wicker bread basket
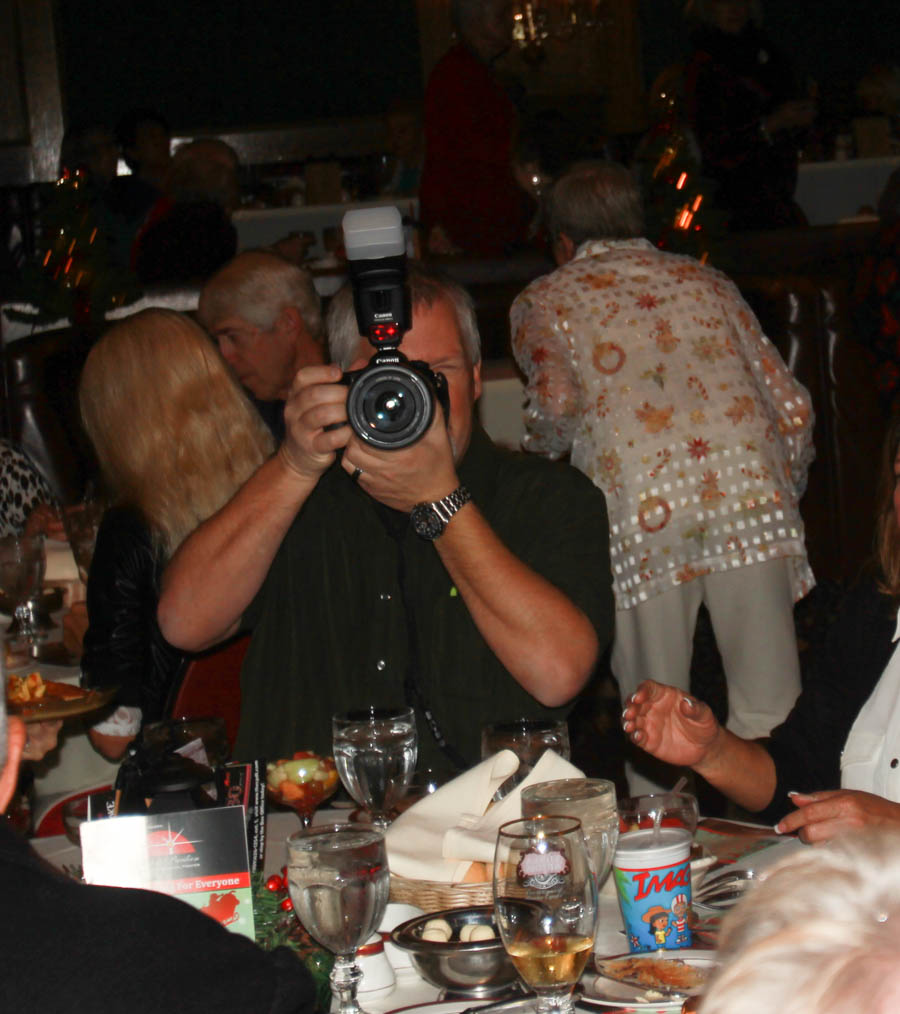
[{"x": 434, "y": 896}]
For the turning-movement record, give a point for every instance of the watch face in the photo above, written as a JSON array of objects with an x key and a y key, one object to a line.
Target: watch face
[{"x": 426, "y": 522}]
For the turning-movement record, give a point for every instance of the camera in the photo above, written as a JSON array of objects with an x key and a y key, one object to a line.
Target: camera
[{"x": 391, "y": 400}]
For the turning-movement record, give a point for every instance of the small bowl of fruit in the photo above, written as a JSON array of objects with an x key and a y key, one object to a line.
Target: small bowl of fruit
[{"x": 301, "y": 782}]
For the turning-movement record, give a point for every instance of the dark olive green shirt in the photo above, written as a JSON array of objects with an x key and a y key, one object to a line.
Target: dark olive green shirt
[{"x": 329, "y": 627}]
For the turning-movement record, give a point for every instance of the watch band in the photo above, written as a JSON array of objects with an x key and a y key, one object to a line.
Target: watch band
[{"x": 446, "y": 507}]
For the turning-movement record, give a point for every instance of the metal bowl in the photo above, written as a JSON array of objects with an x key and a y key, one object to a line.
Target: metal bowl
[{"x": 478, "y": 969}]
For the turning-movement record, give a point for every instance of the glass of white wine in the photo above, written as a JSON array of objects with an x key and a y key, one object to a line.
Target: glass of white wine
[{"x": 545, "y": 904}]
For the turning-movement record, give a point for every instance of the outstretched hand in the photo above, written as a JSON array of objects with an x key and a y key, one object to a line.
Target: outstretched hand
[
  {"x": 822, "y": 815},
  {"x": 670, "y": 725}
]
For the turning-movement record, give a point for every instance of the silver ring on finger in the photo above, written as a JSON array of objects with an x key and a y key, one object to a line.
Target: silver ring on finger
[{"x": 357, "y": 472}]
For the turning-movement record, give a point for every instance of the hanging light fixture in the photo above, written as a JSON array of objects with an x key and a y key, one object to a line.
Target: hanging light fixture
[{"x": 535, "y": 21}]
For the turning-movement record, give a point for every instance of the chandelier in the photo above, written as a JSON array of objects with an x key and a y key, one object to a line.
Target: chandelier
[{"x": 536, "y": 21}]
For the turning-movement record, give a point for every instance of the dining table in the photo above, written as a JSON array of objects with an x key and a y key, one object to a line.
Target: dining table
[
  {"x": 721, "y": 842},
  {"x": 73, "y": 765}
]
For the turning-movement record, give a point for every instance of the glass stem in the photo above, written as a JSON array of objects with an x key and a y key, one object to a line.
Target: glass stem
[
  {"x": 555, "y": 1003},
  {"x": 345, "y": 977},
  {"x": 26, "y": 621}
]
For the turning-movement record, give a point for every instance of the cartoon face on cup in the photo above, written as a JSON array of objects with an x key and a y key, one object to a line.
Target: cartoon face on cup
[{"x": 653, "y": 881}]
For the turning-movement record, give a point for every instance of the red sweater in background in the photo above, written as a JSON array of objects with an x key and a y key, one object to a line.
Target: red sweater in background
[{"x": 467, "y": 181}]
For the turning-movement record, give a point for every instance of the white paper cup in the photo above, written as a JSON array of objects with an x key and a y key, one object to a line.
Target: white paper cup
[
  {"x": 396, "y": 913},
  {"x": 653, "y": 880},
  {"x": 378, "y": 974}
]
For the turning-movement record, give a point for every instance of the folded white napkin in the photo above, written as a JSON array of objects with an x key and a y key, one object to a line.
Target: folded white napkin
[
  {"x": 443, "y": 834},
  {"x": 60, "y": 562}
]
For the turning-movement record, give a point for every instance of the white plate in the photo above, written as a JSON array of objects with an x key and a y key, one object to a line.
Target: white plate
[
  {"x": 602, "y": 992},
  {"x": 523, "y": 1005},
  {"x": 764, "y": 858}
]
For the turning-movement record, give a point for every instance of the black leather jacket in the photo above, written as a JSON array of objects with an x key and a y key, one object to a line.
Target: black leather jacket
[{"x": 123, "y": 645}]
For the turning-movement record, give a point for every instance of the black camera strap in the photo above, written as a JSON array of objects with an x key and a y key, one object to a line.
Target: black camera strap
[{"x": 412, "y": 684}]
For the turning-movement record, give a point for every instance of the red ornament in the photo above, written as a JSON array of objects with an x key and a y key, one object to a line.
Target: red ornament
[
  {"x": 287, "y": 905},
  {"x": 274, "y": 883}
]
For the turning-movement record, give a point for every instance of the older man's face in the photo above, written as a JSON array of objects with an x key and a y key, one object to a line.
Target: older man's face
[
  {"x": 435, "y": 338},
  {"x": 266, "y": 361}
]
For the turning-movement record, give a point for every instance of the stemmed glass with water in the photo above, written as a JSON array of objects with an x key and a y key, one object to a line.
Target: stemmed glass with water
[
  {"x": 375, "y": 754},
  {"x": 339, "y": 882},
  {"x": 545, "y": 904}
]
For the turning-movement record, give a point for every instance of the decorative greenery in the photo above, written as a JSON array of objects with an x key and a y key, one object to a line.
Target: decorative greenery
[{"x": 277, "y": 926}]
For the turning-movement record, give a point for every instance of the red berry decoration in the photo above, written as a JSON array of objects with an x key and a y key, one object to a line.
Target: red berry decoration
[
  {"x": 274, "y": 883},
  {"x": 287, "y": 905}
]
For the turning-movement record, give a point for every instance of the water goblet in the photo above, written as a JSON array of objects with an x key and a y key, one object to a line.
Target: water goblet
[
  {"x": 545, "y": 904},
  {"x": 375, "y": 752},
  {"x": 339, "y": 881},
  {"x": 21, "y": 573},
  {"x": 528, "y": 738},
  {"x": 592, "y": 801}
]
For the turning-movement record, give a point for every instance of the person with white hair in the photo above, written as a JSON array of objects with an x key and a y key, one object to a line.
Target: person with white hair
[
  {"x": 819, "y": 935},
  {"x": 652, "y": 370},
  {"x": 266, "y": 317},
  {"x": 103, "y": 950}
]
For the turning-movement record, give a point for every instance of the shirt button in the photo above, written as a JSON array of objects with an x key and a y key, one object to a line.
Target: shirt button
[
  {"x": 894, "y": 762},
  {"x": 381, "y": 665}
]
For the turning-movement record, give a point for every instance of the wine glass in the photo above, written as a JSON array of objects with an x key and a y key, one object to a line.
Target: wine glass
[
  {"x": 545, "y": 904},
  {"x": 81, "y": 522},
  {"x": 21, "y": 574},
  {"x": 375, "y": 752},
  {"x": 339, "y": 881}
]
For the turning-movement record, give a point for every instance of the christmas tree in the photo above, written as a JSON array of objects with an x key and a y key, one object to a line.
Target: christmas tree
[{"x": 73, "y": 276}]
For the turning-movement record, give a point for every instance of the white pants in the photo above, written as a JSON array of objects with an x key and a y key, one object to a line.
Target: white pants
[{"x": 752, "y": 614}]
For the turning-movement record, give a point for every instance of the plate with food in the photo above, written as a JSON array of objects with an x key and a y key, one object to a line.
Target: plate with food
[
  {"x": 35, "y": 699},
  {"x": 654, "y": 981}
]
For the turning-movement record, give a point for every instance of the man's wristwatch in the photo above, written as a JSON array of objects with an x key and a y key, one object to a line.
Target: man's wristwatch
[{"x": 430, "y": 519}]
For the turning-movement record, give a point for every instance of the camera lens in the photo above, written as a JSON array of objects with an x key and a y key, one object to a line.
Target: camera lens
[{"x": 390, "y": 406}]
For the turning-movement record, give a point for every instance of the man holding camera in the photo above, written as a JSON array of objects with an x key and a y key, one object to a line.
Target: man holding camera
[{"x": 494, "y": 602}]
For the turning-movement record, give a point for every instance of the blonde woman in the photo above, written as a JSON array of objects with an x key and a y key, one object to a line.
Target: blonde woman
[{"x": 175, "y": 437}]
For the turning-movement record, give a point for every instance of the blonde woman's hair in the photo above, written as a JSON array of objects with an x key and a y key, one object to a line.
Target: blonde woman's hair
[
  {"x": 820, "y": 933},
  {"x": 173, "y": 432},
  {"x": 887, "y": 532}
]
